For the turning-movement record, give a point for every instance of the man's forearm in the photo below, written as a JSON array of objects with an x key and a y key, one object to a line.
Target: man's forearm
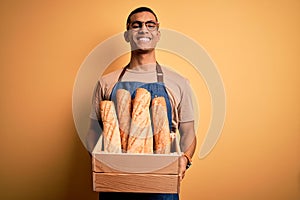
[
  {"x": 92, "y": 135},
  {"x": 188, "y": 139},
  {"x": 189, "y": 147}
]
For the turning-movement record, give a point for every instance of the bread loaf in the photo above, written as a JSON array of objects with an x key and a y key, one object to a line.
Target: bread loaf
[
  {"x": 111, "y": 133},
  {"x": 124, "y": 115},
  {"x": 161, "y": 132},
  {"x": 140, "y": 136}
]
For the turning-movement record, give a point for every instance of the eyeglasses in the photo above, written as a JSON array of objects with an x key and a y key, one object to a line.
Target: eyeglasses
[{"x": 137, "y": 25}]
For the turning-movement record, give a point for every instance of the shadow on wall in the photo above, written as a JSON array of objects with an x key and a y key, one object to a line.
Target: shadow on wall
[{"x": 80, "y": 174}]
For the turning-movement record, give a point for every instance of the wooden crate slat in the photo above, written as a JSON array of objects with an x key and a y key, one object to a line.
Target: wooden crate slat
[
  {"x": 136, "y": 163},
  {"x": 145, "y": 183}
]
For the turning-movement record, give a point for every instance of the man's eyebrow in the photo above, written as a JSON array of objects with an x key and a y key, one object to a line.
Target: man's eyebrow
[{"x": 137, "y": 21}]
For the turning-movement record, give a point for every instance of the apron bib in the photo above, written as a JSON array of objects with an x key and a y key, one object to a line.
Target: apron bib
[{"x": 157, "y": 89}]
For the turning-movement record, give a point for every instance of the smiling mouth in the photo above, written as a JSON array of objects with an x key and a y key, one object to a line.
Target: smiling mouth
[{"x": 144, "y": 39}]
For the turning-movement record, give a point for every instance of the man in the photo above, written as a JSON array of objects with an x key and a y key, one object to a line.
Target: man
[{"x": 144, "y": 71}]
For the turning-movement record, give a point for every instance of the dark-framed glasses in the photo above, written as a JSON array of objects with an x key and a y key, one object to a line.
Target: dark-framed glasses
[{"x": 137, "y": 25}]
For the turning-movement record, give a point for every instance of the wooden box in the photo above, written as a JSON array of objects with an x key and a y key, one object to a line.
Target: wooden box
[{"x": 140, "y": 173}]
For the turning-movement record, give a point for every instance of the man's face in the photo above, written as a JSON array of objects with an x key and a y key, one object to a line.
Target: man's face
[{"x": 143, "y": 31}]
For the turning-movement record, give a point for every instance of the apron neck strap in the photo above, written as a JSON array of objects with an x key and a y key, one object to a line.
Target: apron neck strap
[{"x": 159, "y": 73}]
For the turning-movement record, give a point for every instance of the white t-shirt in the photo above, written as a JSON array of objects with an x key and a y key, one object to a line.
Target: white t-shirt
[{"x": 178, "y": 89}]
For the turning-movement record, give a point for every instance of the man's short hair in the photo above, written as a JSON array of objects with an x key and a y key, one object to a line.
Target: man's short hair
[{"x": 138, "y": 10}]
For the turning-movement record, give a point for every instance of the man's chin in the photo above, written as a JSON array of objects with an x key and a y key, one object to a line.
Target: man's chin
[{"x": 144, "y": 49}]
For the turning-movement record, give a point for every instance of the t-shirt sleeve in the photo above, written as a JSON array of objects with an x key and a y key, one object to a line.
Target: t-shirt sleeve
[
  {"x": 102, "y": 91},
  {"x": 185, "y": 107}
]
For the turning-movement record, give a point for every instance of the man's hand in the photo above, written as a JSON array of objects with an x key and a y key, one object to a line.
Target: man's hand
[{"x": 182, "y": 167}]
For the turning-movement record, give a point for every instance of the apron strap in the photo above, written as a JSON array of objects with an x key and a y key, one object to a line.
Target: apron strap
[
  {"x": 122, "y": 73},
  {"x": 159, "y": 73}
]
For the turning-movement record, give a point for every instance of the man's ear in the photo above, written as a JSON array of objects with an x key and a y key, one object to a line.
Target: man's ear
[
  {"x": 158, "y": 35},
  {"x": 126, "y": 36}
]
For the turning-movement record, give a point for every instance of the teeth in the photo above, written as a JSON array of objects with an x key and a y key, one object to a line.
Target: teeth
[{"x": 144, "y": 39}]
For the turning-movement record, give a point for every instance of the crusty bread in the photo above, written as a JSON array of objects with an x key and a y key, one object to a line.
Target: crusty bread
[
  {"x": 111, "y": 133},
  {"x": 124, "y": 115},
  {"x": 140, "y": 136},
  {"x": 161, "y": 132}
]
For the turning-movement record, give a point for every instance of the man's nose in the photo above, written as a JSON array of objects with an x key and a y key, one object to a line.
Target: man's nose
[{"x": 144, "y": 28}]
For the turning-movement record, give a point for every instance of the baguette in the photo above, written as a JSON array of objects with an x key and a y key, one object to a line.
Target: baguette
[
  {"x": 161, "y": 132},
  {"x": 124, "y": 115},
  {"x": 111, "y": 133},
  {"x": 141, "y": 135}
]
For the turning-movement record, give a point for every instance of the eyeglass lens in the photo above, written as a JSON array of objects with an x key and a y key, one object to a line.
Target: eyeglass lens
[{"x": 136, "y": 25}]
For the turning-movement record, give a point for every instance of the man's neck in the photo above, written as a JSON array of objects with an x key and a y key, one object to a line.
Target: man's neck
[{"x": 143, "y": 61}]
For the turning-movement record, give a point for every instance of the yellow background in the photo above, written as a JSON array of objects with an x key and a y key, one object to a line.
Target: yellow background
[{"x": 255, "y": 45}]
